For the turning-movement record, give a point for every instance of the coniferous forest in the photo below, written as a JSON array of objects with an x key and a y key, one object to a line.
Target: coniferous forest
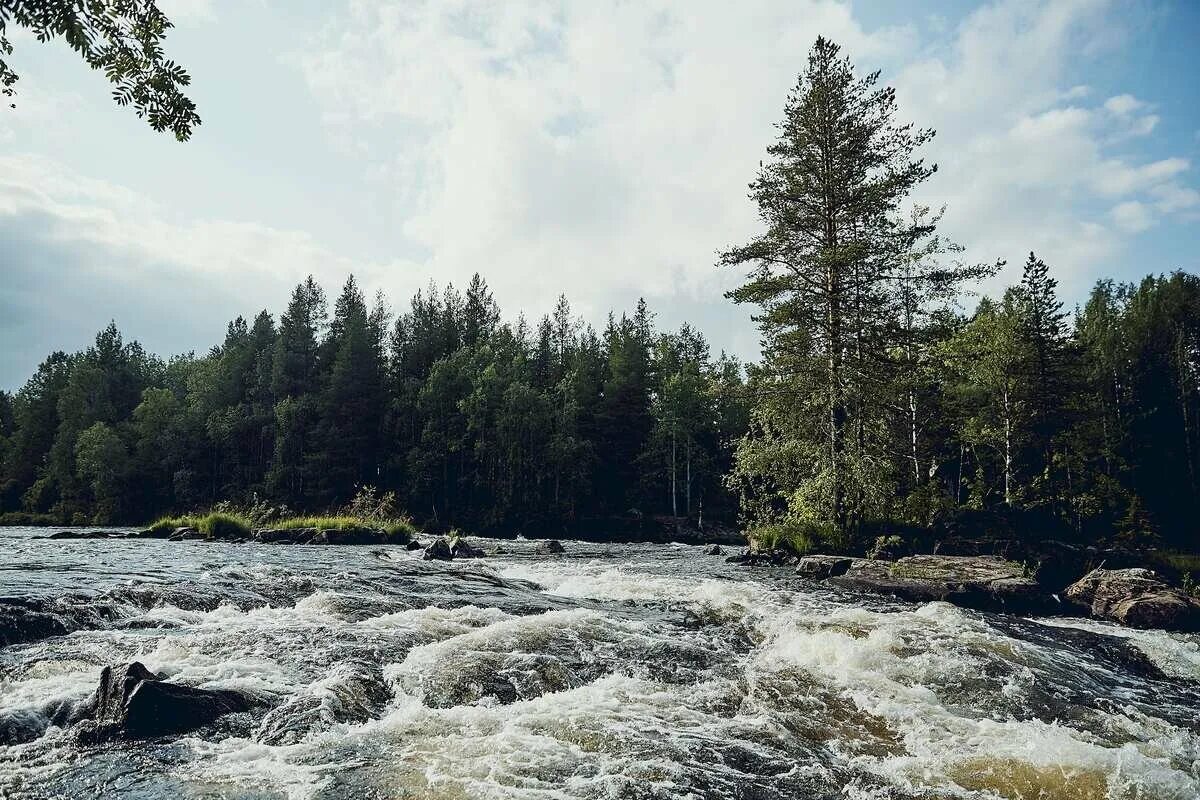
[{"x": 890, "y": 398}]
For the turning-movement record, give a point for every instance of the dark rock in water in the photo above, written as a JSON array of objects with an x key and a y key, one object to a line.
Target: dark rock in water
[
  {"x": 713, "y": 550},
  {"x": 439, "y": 550},
  {"x": 414, "y": 545},
  {"x": 285, "y": 535},
  {"x": 152, "y": 533},
  {"x": 352, "y": 693},
  {"x": 770, "y": 558},
  {"x": 185, "y": 534},
  {"x": 1135, "y": 597},
  {"x": 550, "y": 546},
  {"x": 349, "y": 536},
  {"x": 463, "y": 549},
  {"x": 81, "y": 535},
  {"x": 134, "y": 703},
  {"x": 22, "y": 621},
  {"x": 499, "y": 550},
  {"x": 822, "y": 566},
  {"x": 988, "y": 584}
]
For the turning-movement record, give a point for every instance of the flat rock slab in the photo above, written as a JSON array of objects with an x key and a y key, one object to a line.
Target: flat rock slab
[{"x": 987, "y": 584}]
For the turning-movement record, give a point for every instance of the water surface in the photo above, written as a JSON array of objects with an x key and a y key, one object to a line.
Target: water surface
[{"x": 613, "y": 671}]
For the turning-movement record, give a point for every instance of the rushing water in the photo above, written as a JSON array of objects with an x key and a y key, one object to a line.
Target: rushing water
[{"x": 623, "y": 671}]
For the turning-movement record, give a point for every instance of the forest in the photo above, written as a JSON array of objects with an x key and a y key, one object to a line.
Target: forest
[{"x": 890, "y": 398}]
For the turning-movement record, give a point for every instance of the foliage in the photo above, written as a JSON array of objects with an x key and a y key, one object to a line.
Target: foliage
[
  {"x": 123, "y": 38},
  {"x": 797, "y": 536},
  {"x": 213, "y": 524},
  {"x": 442, "y": 412}
]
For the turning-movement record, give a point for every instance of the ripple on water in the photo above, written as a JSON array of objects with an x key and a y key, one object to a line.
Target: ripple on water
[{"x": 614, "y": 671}]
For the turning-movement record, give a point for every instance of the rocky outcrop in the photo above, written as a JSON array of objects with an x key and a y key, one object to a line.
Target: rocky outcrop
[
  {"x": 284, "y": 535},
  {"x": 1135, "y": 597},
  {"x": 713, "y": 550},
  {"x": 413, "y": 544},
  {"x": 550, "y": 547},
  {"x": 132, "y": 702},
  {"x": 989, "y": 584},
  {"x": 28, "y": 620},
  {"x": 185, "y": 535},
  {"x": 821, "y": 567}
]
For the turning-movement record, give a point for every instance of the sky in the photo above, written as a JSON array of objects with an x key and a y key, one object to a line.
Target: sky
[{"x": 597, "y": 148}]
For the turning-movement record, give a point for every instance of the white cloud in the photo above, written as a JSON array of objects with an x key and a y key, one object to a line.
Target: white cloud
[
  {"x": 1132, "y": 216},
  {"x": 1123, "y": 104},
  {"x": 608, "y": 145}
]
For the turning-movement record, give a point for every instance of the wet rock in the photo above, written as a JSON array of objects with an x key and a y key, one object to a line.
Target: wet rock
[
  {"x": 1135, "y": 597},
  {"x": 439, "y": 550},
  {"x": 823, "y": 566},
  {"x": 550, "y": 547},
  {"x": 185, "y": 534},
  {"x": 414, "y": 545},
  {"x": 770, "y": 558},
  {"x": 352, "y": 693},
  {"x": 132, "y": 702},
  {"x": 27, "y": 621},
  {"x": 463, "y": 549},
  {"x": 152, "y": 533},
  {"x": 499, "y": 550},
  {"x": 713, "y": 550},
  {"x": 988, "y": 584}
]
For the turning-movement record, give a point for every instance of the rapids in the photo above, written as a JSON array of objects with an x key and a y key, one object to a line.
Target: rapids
[{"x": 612, "y": 671}]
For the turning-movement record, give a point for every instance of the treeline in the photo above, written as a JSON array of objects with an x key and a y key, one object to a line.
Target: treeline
[
  {"x": 472, "y": 422},
  {"x": 880, "y": 407}
]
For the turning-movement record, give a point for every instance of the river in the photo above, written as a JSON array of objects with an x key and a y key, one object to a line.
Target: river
[{"x": 611, "y": 671}]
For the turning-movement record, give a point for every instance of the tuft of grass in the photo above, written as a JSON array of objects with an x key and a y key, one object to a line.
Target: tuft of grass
[
  {"x": 216, "y": 525},
  {"x": 798, "y": 537}
]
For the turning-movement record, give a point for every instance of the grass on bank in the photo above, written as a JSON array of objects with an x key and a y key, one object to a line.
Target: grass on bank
[
  {"x": 401, "y": 528},
  {"x": 227, "y": 525},
  {"x": 799, "y": 537}
]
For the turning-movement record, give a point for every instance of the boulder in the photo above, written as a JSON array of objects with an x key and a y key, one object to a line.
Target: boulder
[
  {"x": 414, "y": 545},
  {"x": 984, "y": 583},
  {"x": 822, "y": 566},
  {"x": 28, "y": 620},
  {"x": 713, "y": 550},
  {"x": 1135, "y": 597},
  {"x": 550, "y": 547},
  {"x": 438, "y": 550},
  {"x": 132, "y": 702},
  {"x": 463, "y": 549}
]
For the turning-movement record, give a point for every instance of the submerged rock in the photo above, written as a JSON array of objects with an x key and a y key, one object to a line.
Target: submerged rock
[
  {"x": 353, "y": 692},
  {"x": 821, "y": 566},
  {"x": 988, "y": 584},
  {"x": 133, "y": 702},
  {"x": 550, "y": 547},
  {"x": 1135, "y": 597},
  {"x": 438, "y": 550}
]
